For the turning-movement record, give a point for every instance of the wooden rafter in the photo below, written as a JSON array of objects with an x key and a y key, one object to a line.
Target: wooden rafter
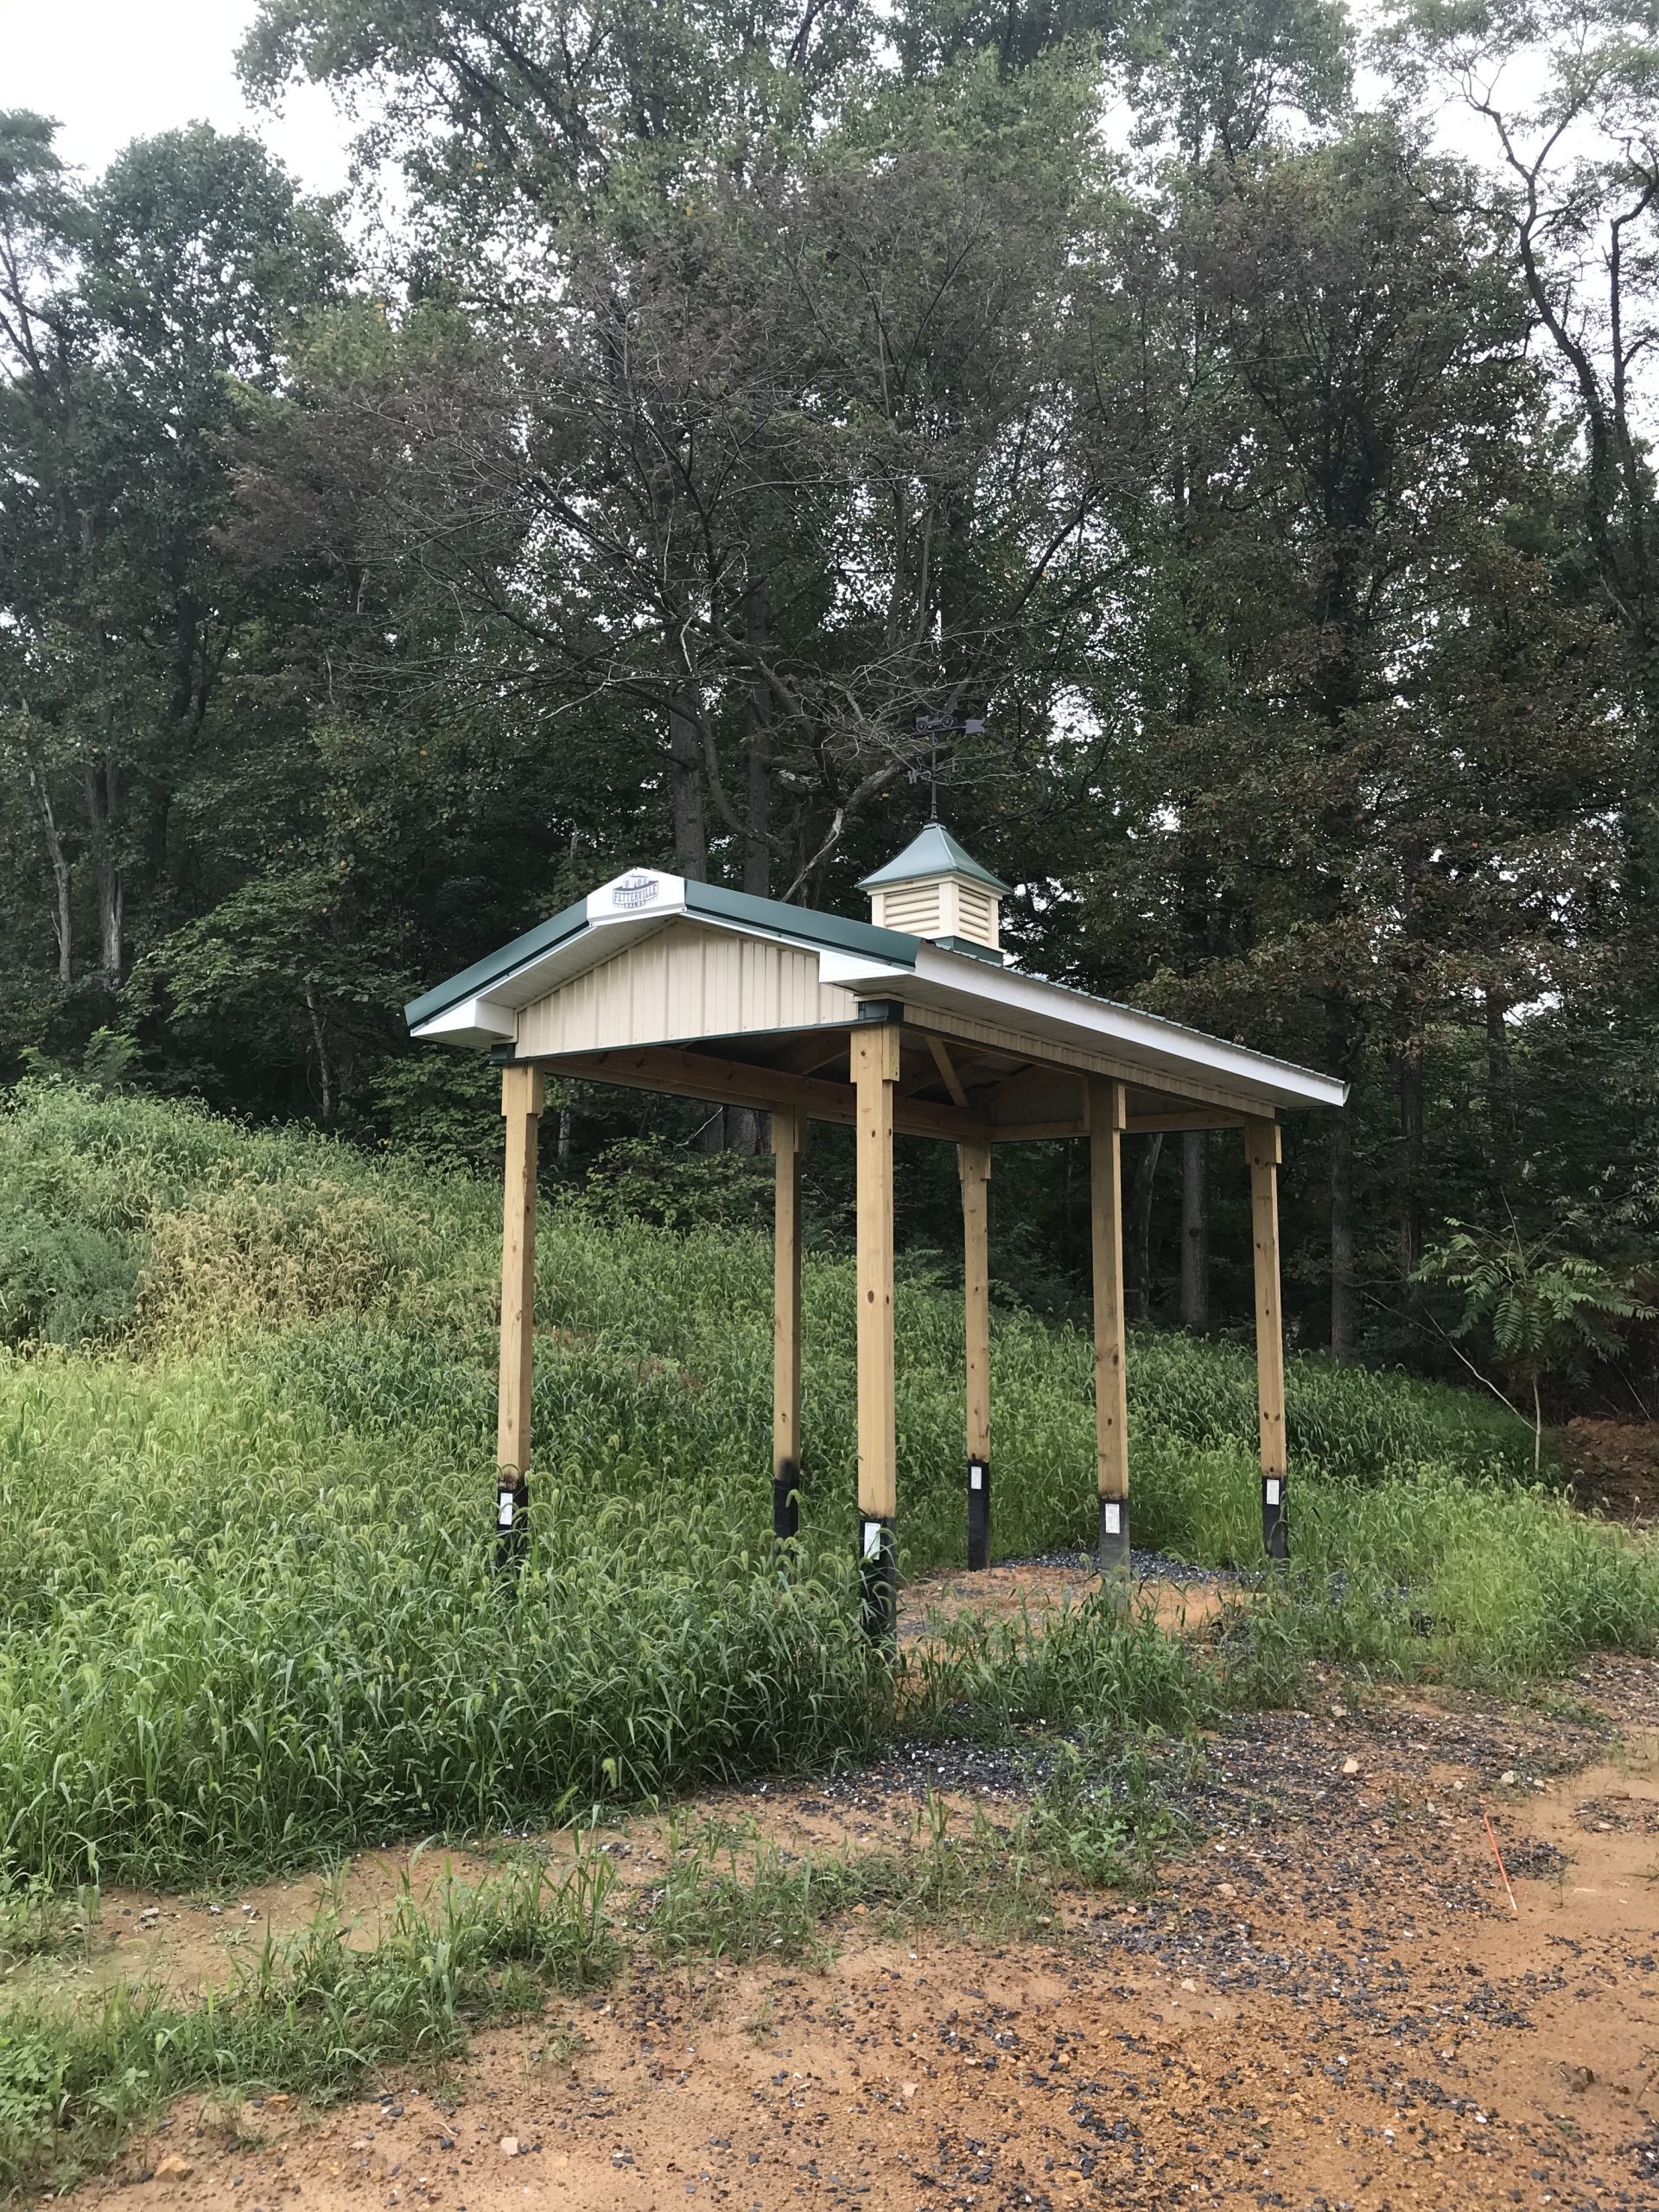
[
  {"x": 995, "y": 1037},
  {"x": 940, "y": 1053},
  {"x": 991, "y": 1099},
  {"x": 814, "y": 1050}
]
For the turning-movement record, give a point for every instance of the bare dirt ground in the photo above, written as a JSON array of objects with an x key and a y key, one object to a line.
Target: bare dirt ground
[
  {"x": 1184, "y": 1599},
  {"x": 1612, "y": 1468},
  {"x": 1327, "y": 2004}
]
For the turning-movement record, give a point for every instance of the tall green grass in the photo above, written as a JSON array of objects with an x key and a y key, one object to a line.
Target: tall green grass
[{"x": 247, "y": 1609}]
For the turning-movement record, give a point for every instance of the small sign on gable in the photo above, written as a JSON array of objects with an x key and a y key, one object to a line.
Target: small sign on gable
[{"x": 639, "y": 890}]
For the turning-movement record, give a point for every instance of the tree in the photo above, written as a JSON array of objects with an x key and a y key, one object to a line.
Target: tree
[
  {"x": 1348, "y": 430},
  {"x": 1567, "y": 91},
  {"x": 139, "y": 321},
  {"x": 787, "y": 468},
  {"x": 513, "y": 119},
  {"x": 1540, "y": 1312}
]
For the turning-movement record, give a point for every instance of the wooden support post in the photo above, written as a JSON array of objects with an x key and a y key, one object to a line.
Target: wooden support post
[
  {"x": 1106, "y": 1119},
  {"x": 1262, "y": 1144},
  {"x": 521, "y": 1106},
  {"x": 788, "y": 1142},
  {"x": 974, "y": 1165},
  {"x": 875, "y": 1071}
]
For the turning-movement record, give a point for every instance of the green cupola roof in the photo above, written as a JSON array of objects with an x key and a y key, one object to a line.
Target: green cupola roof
[{"x": 934, "y": 852}]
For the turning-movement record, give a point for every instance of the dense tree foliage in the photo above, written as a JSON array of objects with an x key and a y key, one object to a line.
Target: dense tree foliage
[{"x": 729, "y": 390}]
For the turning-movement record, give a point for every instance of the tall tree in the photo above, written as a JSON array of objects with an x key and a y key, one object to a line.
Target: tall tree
[
  {"x": 788, "y": 466},
  {"x": 1567, "y": 92},
  {"x": 139, "y": 321}
]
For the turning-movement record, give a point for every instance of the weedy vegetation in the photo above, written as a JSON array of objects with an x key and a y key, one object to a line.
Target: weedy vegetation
[
  {"x": 250, "y": 1614},
  {"x": 250, "y": 1611}
]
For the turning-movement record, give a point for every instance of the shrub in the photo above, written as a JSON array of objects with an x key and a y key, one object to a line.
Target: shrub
[
  {"x": 264, "y": 1255},
  {"x": 62, "y": 1281},
  {"x": 671, "y": 1187}
]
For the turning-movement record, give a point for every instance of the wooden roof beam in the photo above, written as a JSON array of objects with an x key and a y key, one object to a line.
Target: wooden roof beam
[
  {"x": 1164, "y": 1119},
  {"x": 1186, "y": 1117},
  {"x": 686, "y": 1074}
]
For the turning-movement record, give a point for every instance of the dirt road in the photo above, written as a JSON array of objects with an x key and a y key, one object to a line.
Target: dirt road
[{"x": 1328, "y": 2005}]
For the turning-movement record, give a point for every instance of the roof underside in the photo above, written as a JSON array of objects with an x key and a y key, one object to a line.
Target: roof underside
[{"x": 987, "y": 1050}]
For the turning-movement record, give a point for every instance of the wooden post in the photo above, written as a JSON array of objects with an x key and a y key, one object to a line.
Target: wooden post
[
  {"x": 1262, "y": 1148},
  {"x": 521, "y": 1106},
  {"x": 788, "y": 1142},
  {"x": 1106, "y": 1119},
  {"x": 875, "y": 1070},
  {"x": 974, "y": 1166}
]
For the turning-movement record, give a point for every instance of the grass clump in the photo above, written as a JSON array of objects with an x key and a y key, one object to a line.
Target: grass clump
[
  {"x": 1104, "y": 1814},
  {"x": 1434, "y": 1576},
  {"x": 313, "y": 2015},
  {"x": 1088, "y": 1666},
  {"x": 38, "y": 1921},
  {"x": 1101, "y": 1816},
  {"x": 733, "y": 1893}
]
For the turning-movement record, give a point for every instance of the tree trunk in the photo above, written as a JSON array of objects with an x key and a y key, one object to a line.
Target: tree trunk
[
  {"x": 757, "y": 760},
  {"x": 1411, "y": 999},
  {"x": 1342, "y": 1238},
  {"x": 1500, "y": 1098},
  {"x": 65, "y": 917},
  {"x": 320, "y": 1045},
  {"x": 1195, "y": 1230},
  {"x": 1412, "y": 1112},
  {"x": 1342, "y": 1057},
  {"x": 747, "y": 1131},
  {"x": 1138, "y": 1229},
  {"x": 685, "y": 774},
  {"x": 101, "y": 782}
]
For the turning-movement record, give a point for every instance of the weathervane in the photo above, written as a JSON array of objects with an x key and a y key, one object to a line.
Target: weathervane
[{"x": 928, "y": 726}]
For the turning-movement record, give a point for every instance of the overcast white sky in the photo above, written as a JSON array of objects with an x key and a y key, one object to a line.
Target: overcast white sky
[{"x": 111, "y": 69}]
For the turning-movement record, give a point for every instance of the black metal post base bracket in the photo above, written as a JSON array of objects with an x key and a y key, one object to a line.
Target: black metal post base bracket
[
  {"x": 1275, "y": 1517},
  {"x": 786, "y": 1503},
  {"x": 878, "y": 1579},
  {"x": 1112, "y": 1546},
  {"x": 979, "y": 1513},
  {"x": 511, "y": 1520}
]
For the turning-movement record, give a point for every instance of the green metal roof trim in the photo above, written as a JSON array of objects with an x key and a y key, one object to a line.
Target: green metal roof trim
[
  {"x": 834, "y": 931},
  {"x": 496, "y": 965},
  {"x": 804, "y": 923},
  {"x": 934, "y": 852}
]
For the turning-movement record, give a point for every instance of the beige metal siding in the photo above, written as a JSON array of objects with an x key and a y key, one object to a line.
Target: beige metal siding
[{"x": 685, "y": 982}]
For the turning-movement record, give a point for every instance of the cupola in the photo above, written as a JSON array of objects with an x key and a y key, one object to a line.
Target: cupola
[{"x": 934, "y": 889}]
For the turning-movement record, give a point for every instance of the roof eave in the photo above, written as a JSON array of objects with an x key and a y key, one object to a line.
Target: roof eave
[{"x": 1169, "y": 1046}]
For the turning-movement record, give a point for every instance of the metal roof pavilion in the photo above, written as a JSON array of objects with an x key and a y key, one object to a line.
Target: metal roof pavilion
[{"x": 658, "y": 982}]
